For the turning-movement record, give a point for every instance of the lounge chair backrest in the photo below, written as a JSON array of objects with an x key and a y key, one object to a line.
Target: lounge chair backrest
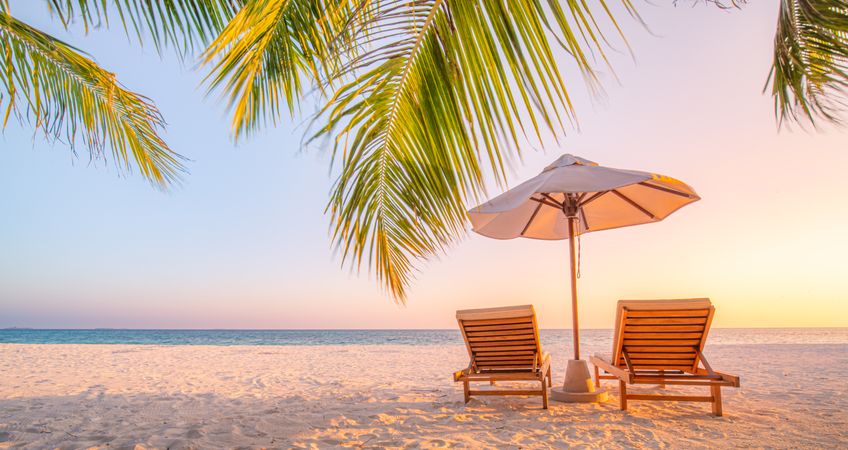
[
  {"x": 661, "y": 334},
  {"x": 505, "y": 338}
]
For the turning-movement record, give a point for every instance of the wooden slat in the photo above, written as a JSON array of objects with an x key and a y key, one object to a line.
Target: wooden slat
[
  {"x": 504, "y": 363},
  {"x": 655, "y": 375},
  {"x": 662, "y": 328},
  {"x": 639, "y": 380},
  {"x": 662, "y": 336},
  {"x": 515, "y": 337},
  {"x": 508, "y": 370},
  {"x": 506, "y": 358},
  {"x": 507, "y": 348},
  {"x": 664, "y": 349},
  {"x": 673, "y": 398},
  {"x": 478, "y": 345},
  {"x": 668, "y": 313},
  {"x": 668, "y": 320},
  {"x": 520, "y": 353},
  {"x": 499, "y": 332},
  {"x": 663, "y": 362},
  {"x": 507, "y": 362},
  {"x": 505, "y": 392},
  {"x": 519, "y": 357},
  {"x": 689, "y": 362},
  {"x": 658, "y": 355},
  {"x": 687, "y": 365},
  {"x": 666, "y": 366},
  {"x": 503, "y": 375},
  {"x": 509, "y": 358},
  {"x": 660, "y": 342},
  {"x": 504, "y": 366},
  {"x": 510, "y": 350},
  {"x": 514, "y": 326},
  {"x": 513, "y": 321},
  {"x": 520, "y": 362}
]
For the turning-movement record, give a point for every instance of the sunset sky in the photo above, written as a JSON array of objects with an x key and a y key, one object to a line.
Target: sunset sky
[{"x": 244, "y": 242}]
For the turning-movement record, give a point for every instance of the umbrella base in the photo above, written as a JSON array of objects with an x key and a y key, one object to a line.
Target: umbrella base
[
  {"x": 578, "y": 386},
  {"x": 559, "y": 395}
]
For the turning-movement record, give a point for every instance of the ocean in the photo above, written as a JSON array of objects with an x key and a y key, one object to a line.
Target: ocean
[{"x": 598, "y": 338}]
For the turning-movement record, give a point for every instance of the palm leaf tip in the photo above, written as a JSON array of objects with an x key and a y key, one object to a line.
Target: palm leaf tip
[
  {"x": 809, "y": 75},
  {"x": 268, "y": 52},
  {"x": 70, "y": 98},
  {"x": 183, "y": 25}
]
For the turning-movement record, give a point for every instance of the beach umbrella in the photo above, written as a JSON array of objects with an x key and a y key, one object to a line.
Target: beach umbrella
[{"x": 574, "y": 196}]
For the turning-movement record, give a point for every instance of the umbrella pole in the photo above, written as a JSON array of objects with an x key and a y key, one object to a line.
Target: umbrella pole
[
  {"x": 572, "y": 221},
  {"x": 578, "y": 385}
]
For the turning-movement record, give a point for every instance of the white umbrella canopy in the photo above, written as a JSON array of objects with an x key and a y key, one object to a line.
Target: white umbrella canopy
[
  {"x": 570, "y": 197},
  {"x": 603, "y": 198}
]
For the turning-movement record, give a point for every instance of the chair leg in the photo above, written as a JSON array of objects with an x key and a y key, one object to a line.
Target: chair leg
[
  {"x": 544, "y": 395},
  {"x": 622, "y": 394},
  {"x": 466, "y": 389},
  {"x": 662, "y": 384},
  {"x": 597, "y": 377},
  {"x": 550, "y": 378},
  {"x": 716, "y": 391}
]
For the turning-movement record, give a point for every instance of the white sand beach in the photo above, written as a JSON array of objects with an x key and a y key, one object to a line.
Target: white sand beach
[{"x": 124, "y": 396}]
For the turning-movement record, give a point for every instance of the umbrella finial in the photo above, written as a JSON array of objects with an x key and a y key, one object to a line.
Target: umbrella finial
[{"x": 569, "y": 160}]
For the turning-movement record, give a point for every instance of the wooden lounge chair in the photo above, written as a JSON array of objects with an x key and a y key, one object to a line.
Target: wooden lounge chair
[
  {"x": 660, "y": 342},
  {"x": 503, "y": 344}
]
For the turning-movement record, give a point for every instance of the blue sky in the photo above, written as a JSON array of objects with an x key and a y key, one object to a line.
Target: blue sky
[{"x": 244, "y": 242}]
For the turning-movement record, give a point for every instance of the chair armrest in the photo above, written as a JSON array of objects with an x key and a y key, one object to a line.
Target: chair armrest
[
  {"x": 460, "y": 374},
  {"x": 621, "y": 374},
  {"x": 732, "y": 379},
  {"x": 546, "y": 362}
]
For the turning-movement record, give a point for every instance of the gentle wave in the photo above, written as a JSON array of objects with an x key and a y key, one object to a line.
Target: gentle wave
[{"x": 597, "y": 338}]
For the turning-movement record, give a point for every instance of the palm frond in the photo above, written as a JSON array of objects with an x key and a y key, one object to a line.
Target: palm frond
[
  {"x": 442, "y": 91},
  {"x": 809, "y": 76},
  {"x": 69, "y": 97},
  {"x": 269, "y": 52},
  {"x": 183, "y": 24}
]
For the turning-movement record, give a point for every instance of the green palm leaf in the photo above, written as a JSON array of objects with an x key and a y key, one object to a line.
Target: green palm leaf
[
  {"x": 183, "y": 24},
  {"x": 443, "y": 91},
  {"x": 273, "y": 49},
  {"x": 261, "y": 57},
  {"x": 69, "y": 97},
  {"x": 810, "y": 71}
]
